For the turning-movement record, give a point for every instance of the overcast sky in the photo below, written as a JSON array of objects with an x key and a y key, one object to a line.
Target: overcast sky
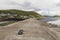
[{"x": 53, "y": 6}]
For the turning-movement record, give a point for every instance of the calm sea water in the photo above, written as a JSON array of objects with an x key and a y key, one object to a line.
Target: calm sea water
[
  {"x": 52, "y": 20},
  {"x": 56, "y": 22}
]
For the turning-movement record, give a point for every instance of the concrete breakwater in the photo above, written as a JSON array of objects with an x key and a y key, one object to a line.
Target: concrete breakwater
[{"x": 32, "y": 30}]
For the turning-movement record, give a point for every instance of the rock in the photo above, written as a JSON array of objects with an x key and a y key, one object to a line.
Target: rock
[{"x": 20, "y": 32}]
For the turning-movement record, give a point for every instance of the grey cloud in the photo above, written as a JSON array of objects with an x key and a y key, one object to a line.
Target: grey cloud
[
  {"x": 25, "y": 5},
  {"x": 58, "y": 4}
]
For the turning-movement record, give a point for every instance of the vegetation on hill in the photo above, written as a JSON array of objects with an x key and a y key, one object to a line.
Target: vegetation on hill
[{"x": 4, "y": 14}]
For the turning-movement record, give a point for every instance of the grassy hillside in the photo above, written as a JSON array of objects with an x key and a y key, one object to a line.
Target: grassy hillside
[{"x": 18, "y": 14}]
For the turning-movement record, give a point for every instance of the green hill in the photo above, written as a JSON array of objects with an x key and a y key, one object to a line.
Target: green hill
[{"x": 4, "y": 14}]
